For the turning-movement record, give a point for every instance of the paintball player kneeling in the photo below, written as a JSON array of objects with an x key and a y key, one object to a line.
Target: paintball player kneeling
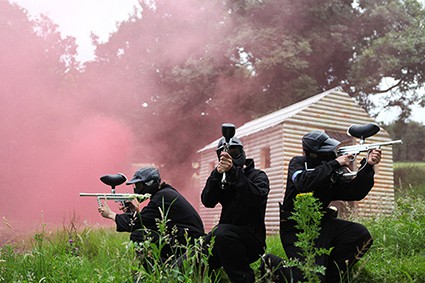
[
  {"x": 183, "y": 222},
  {"x": 317, "y": 172},
  {"x": 239, "y": 237}
]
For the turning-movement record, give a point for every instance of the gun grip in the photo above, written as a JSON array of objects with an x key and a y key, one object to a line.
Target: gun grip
[{"x": 125, "y": 206}]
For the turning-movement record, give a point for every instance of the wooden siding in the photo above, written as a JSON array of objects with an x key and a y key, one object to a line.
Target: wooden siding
[{"x": 334, "y": 112}]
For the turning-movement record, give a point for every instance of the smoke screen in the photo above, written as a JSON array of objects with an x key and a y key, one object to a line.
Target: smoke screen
[{"x": 61, "y": 131}]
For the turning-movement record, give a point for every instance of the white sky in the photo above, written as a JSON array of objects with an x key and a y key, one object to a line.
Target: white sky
[
  {"x": 79, "y": 18},
  {"x": 418, "y": 113}
]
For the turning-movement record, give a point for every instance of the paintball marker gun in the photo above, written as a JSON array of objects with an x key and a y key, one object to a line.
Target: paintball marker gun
[
  {"x": 361, "y": 132},
  {"x": 228, "y": 132},
  {"x": 114, "y": 180}
]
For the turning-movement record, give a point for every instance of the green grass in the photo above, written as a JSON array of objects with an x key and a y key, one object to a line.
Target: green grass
[
  {"x": 88, "y": 256},
  {"x": 92, "y": 255},
  {"x": 103, "y": 255}
]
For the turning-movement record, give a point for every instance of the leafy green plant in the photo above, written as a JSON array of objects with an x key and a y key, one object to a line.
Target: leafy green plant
[{"x": 308, "y": 214}]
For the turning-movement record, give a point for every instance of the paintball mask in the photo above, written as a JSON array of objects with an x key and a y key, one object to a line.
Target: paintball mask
[
  {"x": 318, "y": 146},
  {"x": 234, "y": 148},
  {"x": 145, "y": 180}
]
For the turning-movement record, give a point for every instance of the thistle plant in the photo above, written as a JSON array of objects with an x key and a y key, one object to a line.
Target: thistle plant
[{"x": 308, "y": 214}]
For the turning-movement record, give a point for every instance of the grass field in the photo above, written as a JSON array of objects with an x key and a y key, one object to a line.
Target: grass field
[
  {"x": 82, "y": 254},
  {"x": 409, "y": 177}
]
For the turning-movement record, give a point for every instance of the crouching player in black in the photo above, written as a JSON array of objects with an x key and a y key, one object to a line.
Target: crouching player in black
[
  {"x": 316, "y": 172},
  {"x": 239, "y": 237},
  {"x": 183, "y": 221}
]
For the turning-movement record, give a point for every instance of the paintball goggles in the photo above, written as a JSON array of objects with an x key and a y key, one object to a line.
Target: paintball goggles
[
  {"x": 361, "y": 132},
  {"x": 114, "y": 180}
]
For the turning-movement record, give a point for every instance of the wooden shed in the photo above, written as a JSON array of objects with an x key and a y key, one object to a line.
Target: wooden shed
[{"x": 272, "y": 140}]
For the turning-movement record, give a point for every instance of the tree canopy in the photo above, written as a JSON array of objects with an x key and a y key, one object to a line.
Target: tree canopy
[
  {"x": 191, "y": 65},
  {"x": 178, "y": 69}
]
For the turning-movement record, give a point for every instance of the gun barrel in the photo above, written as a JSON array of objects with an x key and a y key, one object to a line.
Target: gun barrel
[
  {"x": 118, "y": 197},
  {"x": 364, "y": 147},
  {"x": 107, "y": 195},
  {"x": 110, "y": 196}
]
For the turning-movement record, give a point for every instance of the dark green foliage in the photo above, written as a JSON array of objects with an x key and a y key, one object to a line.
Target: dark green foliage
[{"x": 413, "y": 136}]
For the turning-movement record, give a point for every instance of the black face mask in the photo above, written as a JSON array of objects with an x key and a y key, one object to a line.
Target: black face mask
[
  {"x": 239, "y": 160},
  {"x": 315, "y": 159},
  {"x": 146, "y": 187}
]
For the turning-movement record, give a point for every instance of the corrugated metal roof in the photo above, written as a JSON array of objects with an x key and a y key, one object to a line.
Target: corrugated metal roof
[{"x": 274, "y": 118}]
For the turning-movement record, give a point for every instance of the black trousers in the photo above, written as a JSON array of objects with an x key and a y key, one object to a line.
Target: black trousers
[
  {"x": 234, "y": 249},
  {"x": 350, "y": 241}
]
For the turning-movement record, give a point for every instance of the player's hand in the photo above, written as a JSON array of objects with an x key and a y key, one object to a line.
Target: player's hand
[
  {"x": 225, "y": 163},
  {"x": 106, "y": 212},
  {"x": 344, "y": 160},
  {"x": 374, "y": 156}
]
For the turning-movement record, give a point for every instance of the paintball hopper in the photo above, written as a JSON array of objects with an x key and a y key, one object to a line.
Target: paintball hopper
[
  {"x": 363, "y": 131},
  {"x": 228, "y": 131},
  {"x": 113, "y": 180}
]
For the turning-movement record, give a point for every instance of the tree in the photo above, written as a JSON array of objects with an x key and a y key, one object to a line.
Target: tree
[
  {"x": 391, "y": 44},
  {"x": 189, "y": 66},
  {"x": 412, "y": 134},
  {"x": 162, "y": 69}
]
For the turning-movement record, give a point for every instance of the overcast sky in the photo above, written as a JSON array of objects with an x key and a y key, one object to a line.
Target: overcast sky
[{"x": 79, "y": 18}]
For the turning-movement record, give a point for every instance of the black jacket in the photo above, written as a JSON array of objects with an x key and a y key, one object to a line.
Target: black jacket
[
  {"x": 174, "y": 206},
  {"x": 324, "y": 183},
  {"x": 243, "y": 199}
]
